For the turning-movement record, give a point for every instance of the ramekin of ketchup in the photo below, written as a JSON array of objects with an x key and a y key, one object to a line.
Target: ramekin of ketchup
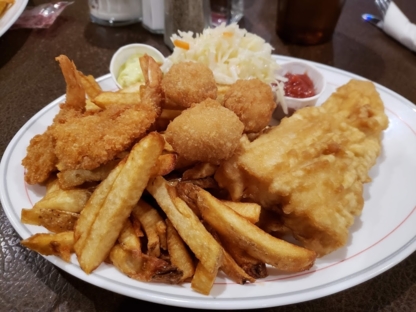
[
  {"x": 299, "y": 86},
  {"x": 304, "y": 84}
]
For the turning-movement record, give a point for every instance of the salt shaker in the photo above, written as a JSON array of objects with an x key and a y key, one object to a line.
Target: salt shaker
[{"x": 185, "y": 15}]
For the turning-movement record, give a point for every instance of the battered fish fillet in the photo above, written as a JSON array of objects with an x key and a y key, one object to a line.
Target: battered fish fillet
[{"x": 311, "y": 168}]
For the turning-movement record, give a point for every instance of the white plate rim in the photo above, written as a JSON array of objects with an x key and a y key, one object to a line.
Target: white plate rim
[
  {"x": 12, "y": 14},
  {"x": 208, "y": 302}
]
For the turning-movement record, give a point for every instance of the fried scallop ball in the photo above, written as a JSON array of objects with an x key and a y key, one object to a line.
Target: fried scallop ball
[
  {"x": 252, "y": 101},
  {"x": 188, "y": 83},
  {"x": 206, "y": 132}
]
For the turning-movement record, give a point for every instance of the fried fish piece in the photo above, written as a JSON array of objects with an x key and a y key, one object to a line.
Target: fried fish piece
[{"x": 313, "y": 165}]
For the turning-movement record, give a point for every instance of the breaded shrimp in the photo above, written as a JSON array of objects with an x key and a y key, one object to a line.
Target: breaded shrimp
[
  {"x": 188, "y": 83},
  {"x": 92, "y": 140},
  {"x": 206, "y": 132},
  {"x": 85, "y": 140},
  {"x": 252, "y": 101}
]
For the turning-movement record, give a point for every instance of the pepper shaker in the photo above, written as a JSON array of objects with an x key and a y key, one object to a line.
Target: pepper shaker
[{"x": 185, "y": 15}]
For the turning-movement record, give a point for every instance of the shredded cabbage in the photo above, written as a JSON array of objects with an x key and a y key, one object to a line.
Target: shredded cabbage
[{"x": 230, "y": 52}]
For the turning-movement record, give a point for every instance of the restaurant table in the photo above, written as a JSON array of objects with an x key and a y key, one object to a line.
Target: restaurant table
[{"x": 30, "y": 78}]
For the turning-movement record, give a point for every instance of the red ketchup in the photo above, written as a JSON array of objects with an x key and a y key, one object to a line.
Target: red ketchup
[{"x": 299, "y": 86}]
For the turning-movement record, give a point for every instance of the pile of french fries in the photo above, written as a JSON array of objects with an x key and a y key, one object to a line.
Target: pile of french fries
[{"x": 153, "y": 223}]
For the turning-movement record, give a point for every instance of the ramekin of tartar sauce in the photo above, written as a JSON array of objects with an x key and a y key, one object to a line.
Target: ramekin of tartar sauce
[{"x": 125, "y": 65}]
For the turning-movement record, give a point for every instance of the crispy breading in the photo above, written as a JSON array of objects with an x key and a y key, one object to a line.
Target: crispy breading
[
  {"x": 188, "y": 83},
  {"x": 40, "y": 160},
  {"x": 252, "y": 101},
  {"x": 88, "y": 142},
  {"x": 313, "y": 165},
  {"x": 206, "y": 132}
]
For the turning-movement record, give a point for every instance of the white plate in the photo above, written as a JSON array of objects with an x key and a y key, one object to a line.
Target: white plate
[
  {"x": 11, "y": 15},
  {"x": 384, "y": 235}
]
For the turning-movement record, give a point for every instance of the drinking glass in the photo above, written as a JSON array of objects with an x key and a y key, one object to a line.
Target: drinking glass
[{"x": 307, "y": 22}]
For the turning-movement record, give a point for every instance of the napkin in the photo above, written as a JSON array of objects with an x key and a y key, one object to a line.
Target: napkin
[
  {"x": 41, "y": 16},
  {"x": 398, "y": 26}
]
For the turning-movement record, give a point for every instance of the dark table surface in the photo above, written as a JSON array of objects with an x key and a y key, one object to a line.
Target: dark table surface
[{"x": 30, "y": 78}]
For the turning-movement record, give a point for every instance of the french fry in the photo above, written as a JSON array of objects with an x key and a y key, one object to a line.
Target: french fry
[
  {"x": 153, "y": 225},
  {"x": 199, "y": 171},
  {"x": 170, "y": 114},
  {"x": 118, "y": 204},
  {"x": 106, "y": 99},
  {"x": 91, "y": 107},
  {"x": 166, "y": 116},
  {"x": 234, "y": 271},
  {"x": 165, "y": 164},
  {"x": 56, "y": 221},
  {"x": 143, "y": 267},
  {"x": 3, "y": 7},
  {"x": 52, "y": 185},
  {"x": 182, "y": 192},
  {"x": 90, "y": 85},
  {"x": 137, "y": 227},
  {"x": 253, "y": 267},
  {"x": 205, "y": 183},
  {"x": 91, "y": 209},
  {"x": 75, "y": 93},
  {"x": 227, "y": 172},
  {"x": 71, "y": 178},
  {"x": 60, "y": 244},
  {"x": 179, "y": 255},
  {"x": 128, "y": 239},
  {"x": 257, "y": 243},
  {"x": 250, "y": 211},
  {"x": 229, "y": 265},
  {"x": 189, "y": 227},
  {"x": 203, "y": 279},
  {"x": 67, "y": 200}
]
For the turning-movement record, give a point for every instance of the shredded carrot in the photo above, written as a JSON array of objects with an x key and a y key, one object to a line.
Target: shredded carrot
[
  {"x": 227, "y": 34},
  {"x": 181, "y": 44}
]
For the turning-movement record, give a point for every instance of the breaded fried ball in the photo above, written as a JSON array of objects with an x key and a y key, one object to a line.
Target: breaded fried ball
[
  {"x": 206, "y": 132},
  {"x": 252, "y": 101},
  {"x": 188, "y": 83}
]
